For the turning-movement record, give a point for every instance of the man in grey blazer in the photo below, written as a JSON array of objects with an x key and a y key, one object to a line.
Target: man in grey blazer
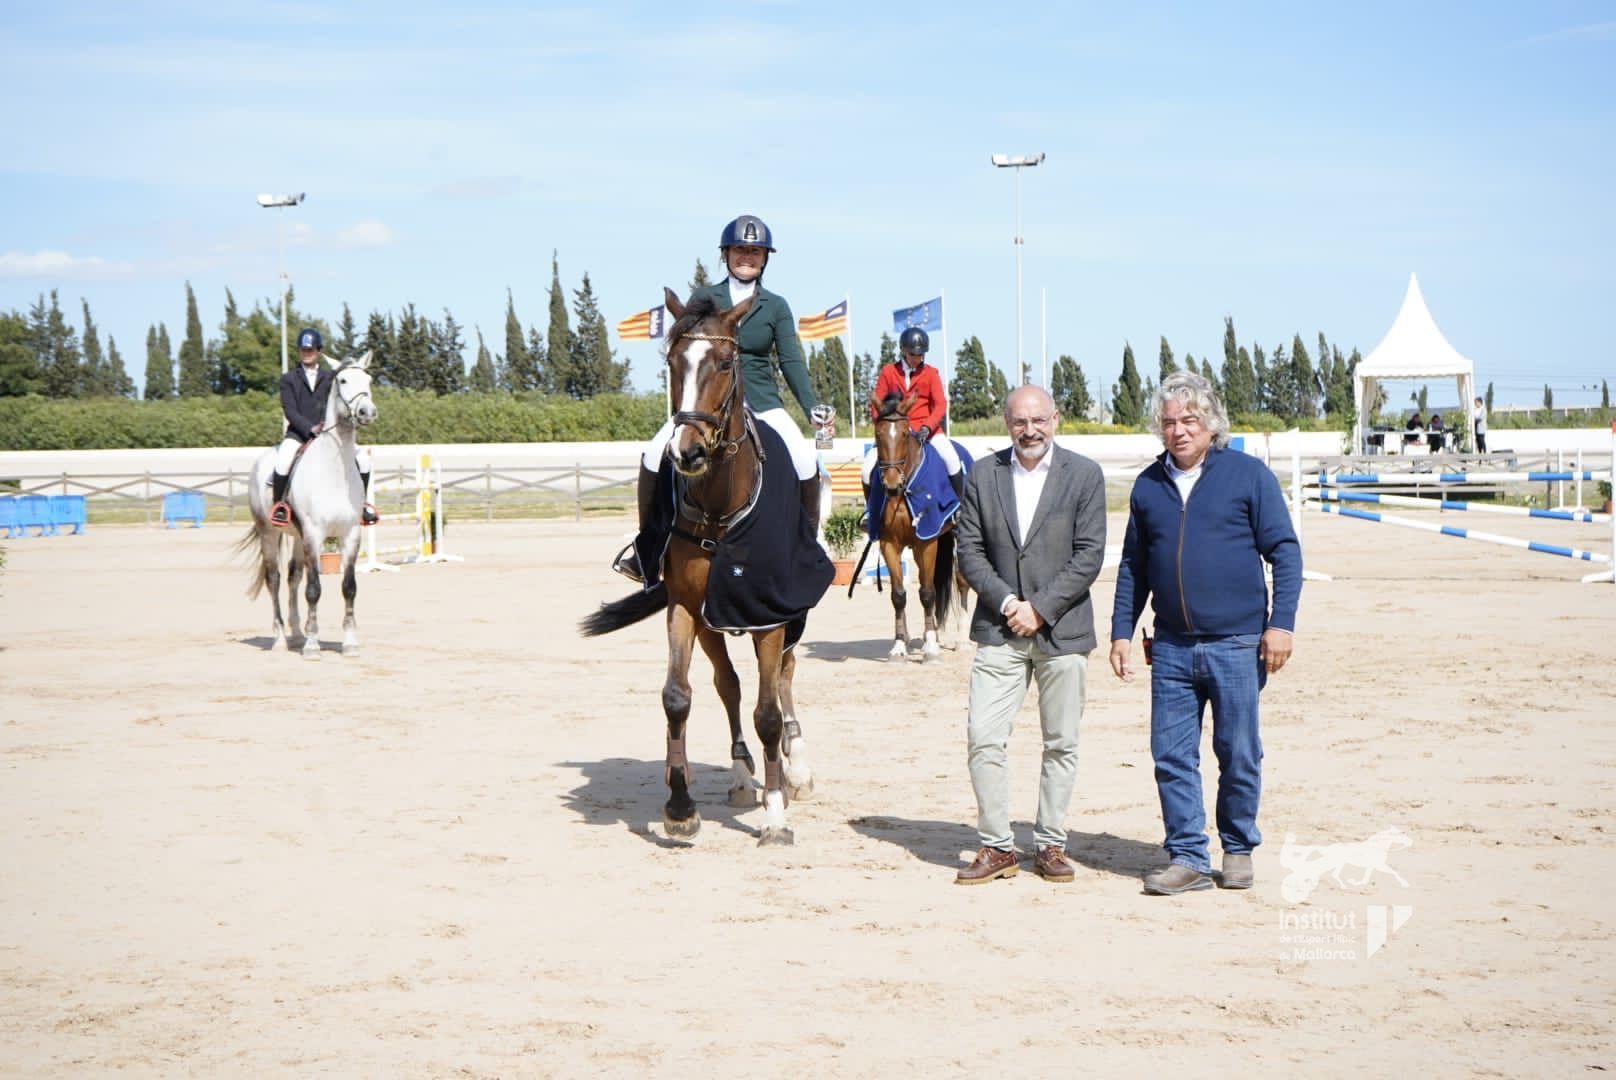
[{"x": 1031, "y": 542}]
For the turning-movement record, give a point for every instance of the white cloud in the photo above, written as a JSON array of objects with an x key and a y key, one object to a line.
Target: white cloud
[
  {"x": 58, "y": 266},
  {"x": 366, "y": 234}
]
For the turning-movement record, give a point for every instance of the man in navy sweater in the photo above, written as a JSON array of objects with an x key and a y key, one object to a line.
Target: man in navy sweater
[{"x": 1202, "y": 520}]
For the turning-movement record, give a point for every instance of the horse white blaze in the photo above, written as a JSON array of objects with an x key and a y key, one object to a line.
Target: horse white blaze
[{"x": 694, "y": 355}]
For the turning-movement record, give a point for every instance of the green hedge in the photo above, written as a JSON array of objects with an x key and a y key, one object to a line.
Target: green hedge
[{"x": 254, "y": 419}]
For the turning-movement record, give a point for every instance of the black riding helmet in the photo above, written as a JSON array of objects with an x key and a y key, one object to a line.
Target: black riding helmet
[{"x": 914, "y": 340}]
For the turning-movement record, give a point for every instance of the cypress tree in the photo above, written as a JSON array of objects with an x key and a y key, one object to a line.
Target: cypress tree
[
  {"x": 593, "y": 371},
  {"x": 379, "y": 340},
  {"x": 1127, "y": 396},
  {"x": 56, "y": 348},
  {"x": 1230, "y": 348},
  {"x": 346, "y": 343},
  {"x": 1488, "y": 404},
  {"x": 19, "y": 369},
  {"x": 95, "y": 379},
  {"x": 520, "y": 373},
  {"x": 1604, "y": 394},
  {"x": 118, "y": 382},
  {"x": 1260, "y": 402},
  {"x": 970, "y": 393},
  {"x": 482, "y": 372},
  {"x": 194, "y": 380},
  {"x": 1164, "y": 361},
  {"x": 557, "y": 376},
  {"x": 446, "y": 352},
  {"x": 1070, "y": 389},
  {"x": 699, "y": 278},
  {"x": 537, "y": 362},
  {"x": 1305, "y": 403}
]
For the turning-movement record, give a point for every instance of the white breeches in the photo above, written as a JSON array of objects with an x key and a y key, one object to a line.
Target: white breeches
[
  {"x": 939, "y": 442},
  {"x": 804, "y": 458},
  {"x": 287, "y": 450}
]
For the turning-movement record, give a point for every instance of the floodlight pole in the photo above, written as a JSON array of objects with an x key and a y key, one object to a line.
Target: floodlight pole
[
  {"x": 274, "y": 202},
  {"x": 1018, "y": 162}
]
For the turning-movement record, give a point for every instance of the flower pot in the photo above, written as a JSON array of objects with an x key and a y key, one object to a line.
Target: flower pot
[
  {"x": 330, "y": 562},
  {"x": 844, "y": 571}
]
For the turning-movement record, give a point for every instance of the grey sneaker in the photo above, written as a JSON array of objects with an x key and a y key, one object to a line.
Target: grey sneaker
[
  {"x": 1175, "y": 879},
  {"x": 1237, "y": 872}
]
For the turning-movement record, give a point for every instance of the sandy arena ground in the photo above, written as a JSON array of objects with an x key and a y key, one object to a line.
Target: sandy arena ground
[{"x": 445, "y": 857}]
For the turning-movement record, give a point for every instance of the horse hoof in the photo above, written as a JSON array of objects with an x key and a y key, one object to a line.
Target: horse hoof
[
  {"x": 777, "y": 836},
  {"x": 743, "y": 798},
  {"x": 930, "y": 655},
  {"x": 350, "y": 650},
  {"x": 684, "y": 829},
  {"x": 899, "y": 651},
  {"x": 803, "y": 791},
  {"x": 311, "y": 651}
]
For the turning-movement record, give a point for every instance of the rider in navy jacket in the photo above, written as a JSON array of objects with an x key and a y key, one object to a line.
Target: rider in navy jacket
[{"x": 1197, "y": 587}]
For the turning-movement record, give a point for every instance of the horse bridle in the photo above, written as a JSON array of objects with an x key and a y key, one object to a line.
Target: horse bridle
[
  {"x": 719, "y": 422},
  {"x": 336, "y": 387},
  {"x": 901, "y": 464}
]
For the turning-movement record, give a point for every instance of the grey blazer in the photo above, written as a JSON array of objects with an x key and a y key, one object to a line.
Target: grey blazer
[{"x": 1062, "y": 556}]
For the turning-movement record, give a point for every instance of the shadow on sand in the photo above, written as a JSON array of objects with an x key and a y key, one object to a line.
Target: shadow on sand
[
  {"x": 629, "y": 792},
  {"x": 942, "y": 842}
]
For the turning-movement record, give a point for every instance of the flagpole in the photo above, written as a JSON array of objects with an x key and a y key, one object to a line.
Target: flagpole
[
  {"x": 1043, "y": 303},
  {"x": 942, "y": 302},
  {"x": 852, "y": 413}
]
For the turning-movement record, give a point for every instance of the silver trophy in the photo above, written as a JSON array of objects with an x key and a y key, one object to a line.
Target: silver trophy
[{"x": 823, "y": 416}]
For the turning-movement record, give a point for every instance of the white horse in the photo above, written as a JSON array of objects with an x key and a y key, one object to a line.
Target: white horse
[{"x": 326, "y": 500}]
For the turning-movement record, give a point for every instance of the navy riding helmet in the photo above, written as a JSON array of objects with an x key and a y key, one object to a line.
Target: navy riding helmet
[
  {"x": 746, "y": 229},
  {"x": 309, "y": 338},
  {"x": 914, "y": 340}
]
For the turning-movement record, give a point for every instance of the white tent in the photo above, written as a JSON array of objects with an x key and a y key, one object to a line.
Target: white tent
[{"x": 1412, "y": 349}]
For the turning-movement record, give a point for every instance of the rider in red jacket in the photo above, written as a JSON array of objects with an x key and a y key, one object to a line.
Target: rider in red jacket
[{"x": 929, "y": 414}]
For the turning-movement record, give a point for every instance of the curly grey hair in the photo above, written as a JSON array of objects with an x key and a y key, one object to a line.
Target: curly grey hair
[{"x": 1193, "y": 394}]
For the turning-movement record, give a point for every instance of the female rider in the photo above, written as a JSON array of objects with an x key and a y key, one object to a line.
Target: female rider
[{"x": 745, "y": 246}]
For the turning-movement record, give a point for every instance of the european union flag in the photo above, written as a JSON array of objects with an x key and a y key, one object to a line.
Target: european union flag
[{"x": 927, "y": 316}]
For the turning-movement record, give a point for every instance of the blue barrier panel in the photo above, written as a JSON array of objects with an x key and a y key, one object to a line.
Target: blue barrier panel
[
  {"x": 68, "y": 510},
  {"x": 35, "y": 511},
  {"x": 878, "y": 572},
  {"x": 183, "y": 506},
  {"x": 8, "y": 516}
]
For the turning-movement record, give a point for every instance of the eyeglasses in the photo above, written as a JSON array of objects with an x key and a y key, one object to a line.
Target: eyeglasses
[{"x": 1021, "y": 423}]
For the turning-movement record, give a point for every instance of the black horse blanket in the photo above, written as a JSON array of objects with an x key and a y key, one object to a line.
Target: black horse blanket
[{"x": 769, "y": 569}]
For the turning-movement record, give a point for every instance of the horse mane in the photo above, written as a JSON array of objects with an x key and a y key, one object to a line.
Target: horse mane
[{"x": 700, "y": 308}]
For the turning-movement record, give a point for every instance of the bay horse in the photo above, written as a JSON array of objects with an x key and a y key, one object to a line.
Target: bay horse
[
  {"x": 717, "y": 450},
  {"x": 899, "y": 453},
  {"x": 326, "y": 499}
]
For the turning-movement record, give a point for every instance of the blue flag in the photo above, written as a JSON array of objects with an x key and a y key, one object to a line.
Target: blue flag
[{"x": 927, "y": 316}]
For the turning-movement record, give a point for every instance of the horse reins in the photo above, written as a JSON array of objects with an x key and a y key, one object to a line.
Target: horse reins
[{"x": 719, "y": 422}]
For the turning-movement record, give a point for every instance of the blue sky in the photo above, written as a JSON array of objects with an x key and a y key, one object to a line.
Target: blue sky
[{"x": 1284, "y": 164}]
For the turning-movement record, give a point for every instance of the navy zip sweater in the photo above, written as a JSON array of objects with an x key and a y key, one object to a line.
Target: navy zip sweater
[{"x": 1201, "y": 563}]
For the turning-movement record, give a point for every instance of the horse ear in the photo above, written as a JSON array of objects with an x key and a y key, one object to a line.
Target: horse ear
[
  {"x": 363, "y": 362},
  {"x": 733, "y": 317},
  {"x": 671, "y": 299},
  {"x": 909, "y": 402},
  {"x": 331, "y": 362}
]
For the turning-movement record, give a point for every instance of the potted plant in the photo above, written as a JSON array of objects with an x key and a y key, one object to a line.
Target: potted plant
[
  {"x": 1604, "y": 493},
  {"x": 331, "y": 557},
  {"x": 842, "y": 535}
]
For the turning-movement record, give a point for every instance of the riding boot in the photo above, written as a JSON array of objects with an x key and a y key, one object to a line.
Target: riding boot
[
  {"x": 810, "y": 502},
  {"x": 280, "y": 514},
  {"x": 627, "y": 562},
  {"x": 367, "y": 515}
]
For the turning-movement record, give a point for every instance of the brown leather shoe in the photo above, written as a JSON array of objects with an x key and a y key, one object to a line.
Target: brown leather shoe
[
  {"x": 1237, "y": 871},
  {"x": 1051, "y": 864},
  {"x": 1175, "y": 879},
  {"x": 989, "y": 863}
]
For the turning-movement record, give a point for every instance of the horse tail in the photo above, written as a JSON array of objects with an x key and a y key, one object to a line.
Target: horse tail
[
  {"x": 943, "y": 576},
  {"x": 252, "y": 544},
  {"x": 625, "y": 612}
]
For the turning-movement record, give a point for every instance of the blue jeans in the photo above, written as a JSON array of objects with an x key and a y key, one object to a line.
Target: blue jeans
[{"x": 1186, "y": 675}]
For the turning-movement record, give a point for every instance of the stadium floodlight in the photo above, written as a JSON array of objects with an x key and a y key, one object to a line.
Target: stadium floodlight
[
  {"x": 278, "y": 202},
  {"x": 1018, "y": 162}
]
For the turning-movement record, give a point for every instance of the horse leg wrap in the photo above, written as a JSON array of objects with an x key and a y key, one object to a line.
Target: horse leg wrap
[
  {"x": 793, "y": 731},
  {"x": 739, "y": 752},
  {"x": 676, "y": 760}
]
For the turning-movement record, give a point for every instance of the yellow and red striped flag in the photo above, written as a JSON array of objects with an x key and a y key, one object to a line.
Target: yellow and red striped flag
[
  {"x": 642, "y": 327},
  {"x": 828, "y": 325}
]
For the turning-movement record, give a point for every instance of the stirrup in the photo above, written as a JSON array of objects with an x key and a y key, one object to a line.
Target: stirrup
[
  {"x": 367, "y": 515},
  {"x": 280, "y": 515},
  {"x": 627, "y": 563}
]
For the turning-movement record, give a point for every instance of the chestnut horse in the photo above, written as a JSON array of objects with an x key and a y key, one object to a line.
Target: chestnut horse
[
  {"x": 716, "y": 447},
  {"x": 899, "y": 453}
]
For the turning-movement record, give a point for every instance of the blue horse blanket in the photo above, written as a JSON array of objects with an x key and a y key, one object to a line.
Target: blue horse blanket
[{"x": 930, "y": 497}]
